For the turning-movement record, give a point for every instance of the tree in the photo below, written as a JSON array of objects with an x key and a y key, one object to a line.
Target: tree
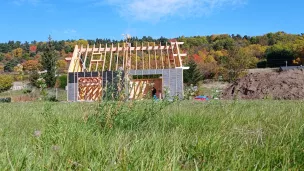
[
  {"x": 1, "y": 56},
  {"x": 237, "y": 61},
  {"x": 61, "y": 66},
  {"x": 18, "y": 52},
  {"x": 33, "y": 48},
  {"x": 6, "y": 82},
  {"x": 31, "y": 65},
  {"x": 277, "y": 56},
  {"x": 48, "y": 61},
  {"x": 192, "y": 75},
  {"x": 9, "y": 67}
]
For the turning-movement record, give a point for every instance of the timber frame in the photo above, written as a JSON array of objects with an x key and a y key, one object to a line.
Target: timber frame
[{"x": 92, "y": 68}]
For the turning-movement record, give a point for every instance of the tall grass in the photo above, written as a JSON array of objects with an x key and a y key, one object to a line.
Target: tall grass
[{"x": 240, "y": 135}]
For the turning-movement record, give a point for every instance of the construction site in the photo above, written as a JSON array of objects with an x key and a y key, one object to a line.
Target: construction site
[{"x": 103, "y": 71}]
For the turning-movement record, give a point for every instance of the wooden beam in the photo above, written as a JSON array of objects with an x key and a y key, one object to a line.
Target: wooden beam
[
  {"x": 161, "y": 56},
  {"x": 168, "y": 55},
  {"x": 149, "y": 57},
  {"x": 143, "y": 56},
  {"x": 155, "y": 56},
  {"x": 117, "y": 53},
  {"x": 179, "y": 55},
  {"x": 136, "y": 56},
  {"x": 123, "y": 57},
  {"x": 104, "y": 58},
  {"x": 130, "y": 63},
  {"x": 110, "y": 66},
  {"x": 85, "y": 59},
  {"x": 92, "y": 56},
  {"x": 172, "y": 50}
]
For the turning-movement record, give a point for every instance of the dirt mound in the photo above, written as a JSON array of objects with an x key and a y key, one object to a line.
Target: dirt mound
[{"x": 275, "y": 85}]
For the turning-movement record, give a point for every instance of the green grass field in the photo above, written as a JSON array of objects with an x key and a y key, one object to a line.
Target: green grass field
[{"x": 187, "y": 135}]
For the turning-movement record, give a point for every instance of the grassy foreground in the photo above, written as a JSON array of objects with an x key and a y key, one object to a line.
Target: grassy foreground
[{"x": 242, "y": 135}]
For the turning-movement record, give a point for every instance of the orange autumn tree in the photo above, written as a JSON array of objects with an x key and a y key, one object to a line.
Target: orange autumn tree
[
  {"x": 31, "y": 65},
  {"x": 33, "y": 48}
]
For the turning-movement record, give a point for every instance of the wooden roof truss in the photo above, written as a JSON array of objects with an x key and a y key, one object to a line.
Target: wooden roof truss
[{"x": 124, "y": 56}]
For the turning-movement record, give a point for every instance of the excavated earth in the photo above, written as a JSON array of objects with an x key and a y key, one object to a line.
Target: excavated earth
[{"x": 287, "y": 85}]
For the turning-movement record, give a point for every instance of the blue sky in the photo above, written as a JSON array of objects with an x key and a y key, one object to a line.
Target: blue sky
[{"x": 27, "y": 20}]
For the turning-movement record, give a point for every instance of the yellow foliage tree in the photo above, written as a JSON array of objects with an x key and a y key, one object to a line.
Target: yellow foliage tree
[
  {"x": 17, "y": 52},
  {"x": 61, "y": 66}
]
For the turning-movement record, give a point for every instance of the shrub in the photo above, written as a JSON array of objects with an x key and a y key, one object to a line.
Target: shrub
[
  {"x": 62, "y": 81},
  {"x": 51, "y": 98},
  {"x": 6, "y": 82},
  {"x": 262, "y": 64},
  {"x": 27, "y": 90},
  {"x": 33, "y": 77},
  {"x": 5, "y": 100}
]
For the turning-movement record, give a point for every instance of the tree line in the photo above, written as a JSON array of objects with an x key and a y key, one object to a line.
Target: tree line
[{"x": 215, "y": 56}]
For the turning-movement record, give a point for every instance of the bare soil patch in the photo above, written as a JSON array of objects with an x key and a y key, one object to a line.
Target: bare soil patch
[{"x": 287, "y": 85}]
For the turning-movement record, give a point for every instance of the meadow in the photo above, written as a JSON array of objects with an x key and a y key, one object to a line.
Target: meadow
[{"x": 146, "y": 135}]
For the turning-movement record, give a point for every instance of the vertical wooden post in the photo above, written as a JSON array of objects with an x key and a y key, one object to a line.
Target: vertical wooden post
[
  {"x": 92, "y": 56},
  {"x": 104, "y": 58},
  {"x": 85, "y": 59},
  {"x": 149, "y": 56},
  {"x": 161, "y": 55},
  {"x": 78, "y": 68},
  {"x": 100, "y": 58},
  {"x": 155, "y": 56},
  {"x": 143, "y": 56},
  {"x": 110, "y": 66},
  {"x": 123, "y": 56},
  {"x": 117, "y": 53},
  {"x": 130, "y": 57},
  {"x": 179, "y": 56},
  {"x": 172, "y": 50},
  {"x": 136, "y": 55},
  {"x": 168, "y": 55}
]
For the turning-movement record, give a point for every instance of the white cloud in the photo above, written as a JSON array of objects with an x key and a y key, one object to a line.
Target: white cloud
[
  {"x": 70, "y": 31},
  {"x": 154, "y": 10},
  {"x": 32, "y": 2}
]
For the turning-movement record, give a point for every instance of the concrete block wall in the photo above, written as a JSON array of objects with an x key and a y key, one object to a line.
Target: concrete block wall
[{"x": 172, "y": 80}]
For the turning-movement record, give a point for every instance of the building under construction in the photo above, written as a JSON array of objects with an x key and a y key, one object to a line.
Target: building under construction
[{"x": 93, "y": 69}]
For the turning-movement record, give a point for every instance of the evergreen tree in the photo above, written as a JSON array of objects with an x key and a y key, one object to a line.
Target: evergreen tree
[
  {"x": 192, "y": 75},
  {"x": 48, "y": 61}
]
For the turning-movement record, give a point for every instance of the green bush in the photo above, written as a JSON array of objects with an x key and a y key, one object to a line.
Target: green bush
[
  {"x": 6, "y": 82},
  {"x": 262, "y": 64},
  {"x": 5, "y": 100},
  {"x": 62, "y": 81},
  {"x": 33, "y": 77}
]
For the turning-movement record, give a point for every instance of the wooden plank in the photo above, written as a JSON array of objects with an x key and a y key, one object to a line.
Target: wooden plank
[
  {"x": 161, "y": 56},
  {"x": 136, "y": 55},
  {"x": 149, "y": 57},
  {"x": 155, "y": 56},
  {"x": 105, "y": 56},
  {"x": 91, "y": 58},
  {"x": 130, "y": 63},
  {"x": 85, "y": 59},
  {"x": 110, "y": 66},
  {"x": 123, "y": 57},
  {"x": 168, "y": 55},
  {"x": 172, "y": 50},
  {"x": 179, "y": 55},
  {"x": 117, "y": 53},
  {"x": 143, "y": 56}
]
